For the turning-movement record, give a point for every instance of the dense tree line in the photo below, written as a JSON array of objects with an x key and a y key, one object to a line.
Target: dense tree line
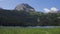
[{"x": 30, "y": 18}]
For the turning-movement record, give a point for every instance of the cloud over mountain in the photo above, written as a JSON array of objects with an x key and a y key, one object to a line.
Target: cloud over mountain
[{"x": 52, "y": 10}]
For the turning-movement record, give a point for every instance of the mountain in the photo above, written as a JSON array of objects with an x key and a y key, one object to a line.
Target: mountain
[
  {"x": 24, "y": 7},
  {"x": 22, "y": 15}
]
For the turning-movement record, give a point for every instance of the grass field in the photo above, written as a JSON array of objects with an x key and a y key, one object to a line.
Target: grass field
[{"x": 19, "y": 30}]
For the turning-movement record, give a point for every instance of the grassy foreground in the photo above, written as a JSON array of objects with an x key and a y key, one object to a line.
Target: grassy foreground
[{"x": 18, "y": 30}]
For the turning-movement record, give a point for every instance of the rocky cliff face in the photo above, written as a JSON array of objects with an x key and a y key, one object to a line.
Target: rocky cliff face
[{"x": 24, "y": 7}]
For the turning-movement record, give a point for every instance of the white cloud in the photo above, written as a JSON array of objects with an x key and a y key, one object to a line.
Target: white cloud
[
  {"x": 46, "y": 10},
  {"x": 52, "y": 10}
]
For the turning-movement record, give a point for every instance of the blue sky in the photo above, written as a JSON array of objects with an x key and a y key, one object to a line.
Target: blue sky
[{"x": 39, "y": 5}]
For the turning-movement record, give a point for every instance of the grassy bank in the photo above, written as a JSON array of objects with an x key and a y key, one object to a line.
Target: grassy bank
[{"x": 18, "y": 30}]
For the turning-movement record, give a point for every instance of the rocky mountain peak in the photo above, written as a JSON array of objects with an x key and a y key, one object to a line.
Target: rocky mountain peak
[{"x": 24, "y": 7}]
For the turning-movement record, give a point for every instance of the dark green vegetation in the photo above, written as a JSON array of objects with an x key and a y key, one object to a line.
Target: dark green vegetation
[
  {"x": 18, "y": 30},
  {"x": 31, "y": 18}
]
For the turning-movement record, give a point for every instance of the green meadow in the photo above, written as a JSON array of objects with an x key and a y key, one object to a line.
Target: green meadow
[{"x": 21, "y": 30}]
